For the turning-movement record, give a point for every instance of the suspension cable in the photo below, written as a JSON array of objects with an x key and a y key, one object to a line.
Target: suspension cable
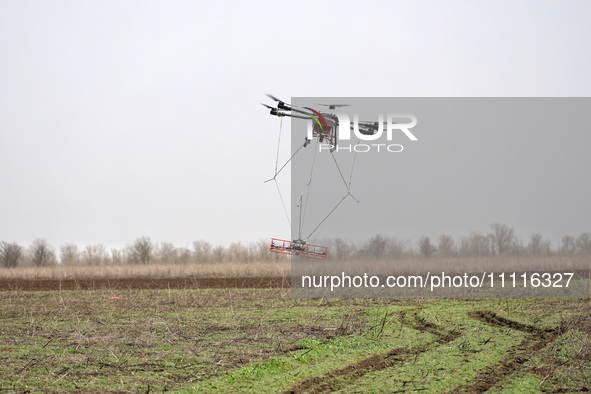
[
  {"x": 309, "y": 184},
  {"x": 344, "y": 197},
  {"x": 339, "y": 168},
  {"x": 277, "y": 172},
  {"x": 326, "y": 217},
  {"x": 300, "y": 225},
  {"x": 282, "y": 202},
  {"x": 287, "y": 162},
  {"x": 278, "y": 145},
  {"x": 352, "y": 166}
]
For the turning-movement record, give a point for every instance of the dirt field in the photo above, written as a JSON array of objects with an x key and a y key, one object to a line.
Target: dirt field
[
  {"x": 143, "y": 283},
  {"x": 249, "y": 335}
]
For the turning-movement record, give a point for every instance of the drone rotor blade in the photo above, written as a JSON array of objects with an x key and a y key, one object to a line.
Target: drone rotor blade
[
  {"x": 282, "y": 105},
  {"x": 335, "y": 105},
  {"x": 274, "y": 98}
]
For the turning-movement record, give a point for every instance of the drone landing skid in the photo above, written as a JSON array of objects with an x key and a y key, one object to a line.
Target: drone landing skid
[{"x": 298, "y": 248}]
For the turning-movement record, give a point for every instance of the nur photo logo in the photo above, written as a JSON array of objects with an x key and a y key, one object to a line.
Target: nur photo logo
[{"x": 366, "y": 132}]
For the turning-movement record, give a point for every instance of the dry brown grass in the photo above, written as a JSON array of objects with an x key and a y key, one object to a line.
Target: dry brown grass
[
  {"x": 234, "y": 269},
  {"x": 421, "y": 265},
  {"x": 414, "y": 265}
]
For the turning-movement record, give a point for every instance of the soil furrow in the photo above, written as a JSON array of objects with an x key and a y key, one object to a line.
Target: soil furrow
[
  {"x": 335, "y": 379},
  {"x": 535, "y": 340}
]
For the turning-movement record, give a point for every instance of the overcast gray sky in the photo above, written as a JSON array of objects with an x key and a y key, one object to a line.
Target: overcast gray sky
[{"x": 122, "y": 119}]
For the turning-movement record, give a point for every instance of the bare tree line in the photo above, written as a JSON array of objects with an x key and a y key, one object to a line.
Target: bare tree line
[
  {"x": 142, "y": 251},
  {"x": 500, "y": 240}
]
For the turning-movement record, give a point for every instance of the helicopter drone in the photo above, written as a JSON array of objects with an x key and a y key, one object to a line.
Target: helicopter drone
[{"x": 325, "y": 127}]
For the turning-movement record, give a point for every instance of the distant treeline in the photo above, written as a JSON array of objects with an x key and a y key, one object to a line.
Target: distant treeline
[
  {"x": 142, "y": 251},
  {"x": 501, "y": 240}
]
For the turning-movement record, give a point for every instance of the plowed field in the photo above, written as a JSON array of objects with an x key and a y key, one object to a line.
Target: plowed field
[
  {"x": 249, "y": 335},
  {"x": 143, "y": 283}
]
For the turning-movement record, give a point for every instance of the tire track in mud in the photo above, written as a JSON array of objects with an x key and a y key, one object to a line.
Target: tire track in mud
[
  {"x": 535, "y": 340},
  {"x": 335, "y": 379},
  {"x": 144, "y": 283}
]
